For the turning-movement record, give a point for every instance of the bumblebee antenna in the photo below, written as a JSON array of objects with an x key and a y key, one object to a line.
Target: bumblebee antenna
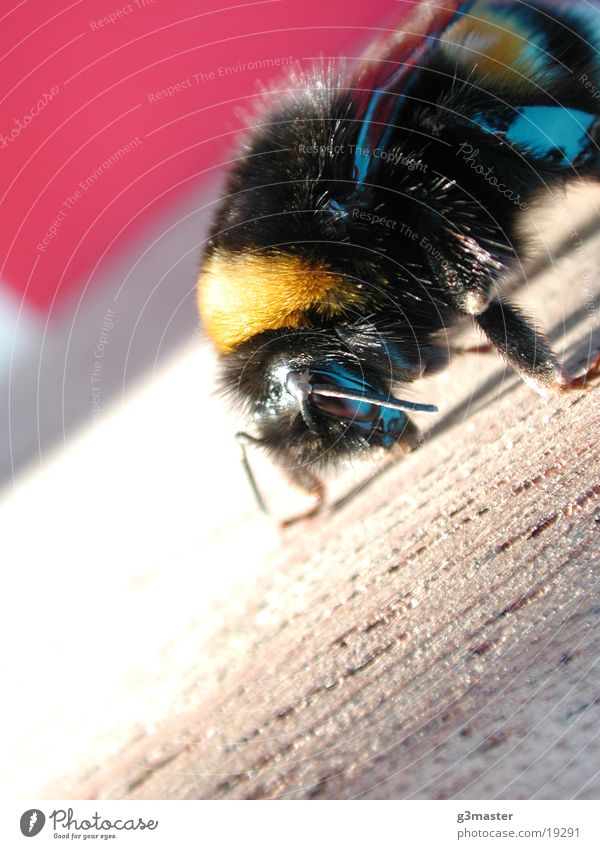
[
  {"x": 244, "y": 439},
  {"x": 391, "y": 403}
]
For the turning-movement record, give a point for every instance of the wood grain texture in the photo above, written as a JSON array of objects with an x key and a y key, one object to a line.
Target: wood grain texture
[{"x": 436, "y": 635}]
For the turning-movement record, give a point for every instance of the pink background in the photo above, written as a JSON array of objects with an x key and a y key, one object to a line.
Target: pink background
[{"x": 105, "y": 76}]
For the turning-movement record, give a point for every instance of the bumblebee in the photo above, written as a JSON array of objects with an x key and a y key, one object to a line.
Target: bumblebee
[{"x": 373, "y": 207}]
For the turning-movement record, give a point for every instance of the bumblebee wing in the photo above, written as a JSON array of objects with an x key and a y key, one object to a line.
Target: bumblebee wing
[{"x": 382, "y": 79}]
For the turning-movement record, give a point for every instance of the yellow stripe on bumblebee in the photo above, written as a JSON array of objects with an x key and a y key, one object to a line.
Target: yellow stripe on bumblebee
[{"x": 243, "y": 294}]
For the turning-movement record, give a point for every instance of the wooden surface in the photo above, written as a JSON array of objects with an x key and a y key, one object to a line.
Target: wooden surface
[{"x": 434, "y": 636}]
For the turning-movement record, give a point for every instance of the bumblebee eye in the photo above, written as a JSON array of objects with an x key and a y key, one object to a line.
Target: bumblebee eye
[
  {"x": 353, "y": 408},
  {"x": 346, "y": 397},
  {"x": 345, "y": 408}
]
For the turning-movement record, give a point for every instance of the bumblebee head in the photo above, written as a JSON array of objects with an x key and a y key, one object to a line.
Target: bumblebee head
[{"x": 312, "y": 401}]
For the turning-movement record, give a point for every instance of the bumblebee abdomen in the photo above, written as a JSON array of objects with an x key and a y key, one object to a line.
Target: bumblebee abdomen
[{"x": 524, "y": 46}]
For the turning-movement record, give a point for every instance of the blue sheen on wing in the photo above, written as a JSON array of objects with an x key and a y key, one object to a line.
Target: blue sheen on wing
[
  {"x": 363, "y": 153},
  {"x": 398, "y": 66},
  {"x": 546, "y": 130}
]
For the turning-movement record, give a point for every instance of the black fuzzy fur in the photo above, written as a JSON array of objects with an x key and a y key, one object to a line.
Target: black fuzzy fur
[{"x": 278, "y": 200}]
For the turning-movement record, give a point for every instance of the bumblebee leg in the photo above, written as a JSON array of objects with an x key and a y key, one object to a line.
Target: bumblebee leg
[
  {"x": 300, "y": 476},
  {"x": 524, "y": 347},
  {"x": 584, "y": 382},
  {"x": 470, "y": 293},
  {"x": 410, "y": 439},
  {"x": 307, "y": 481},
  {"x": 475, "y": 349}
]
